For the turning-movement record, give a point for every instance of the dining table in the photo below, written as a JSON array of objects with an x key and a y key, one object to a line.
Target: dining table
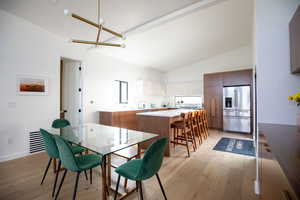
[{"x": 104, "y": 141}]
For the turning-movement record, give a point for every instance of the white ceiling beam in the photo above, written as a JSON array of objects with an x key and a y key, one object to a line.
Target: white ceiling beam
[{"x": 167, "y": 17}]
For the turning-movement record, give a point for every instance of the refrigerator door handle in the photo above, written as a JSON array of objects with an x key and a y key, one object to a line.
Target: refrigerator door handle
[{"x": 235, "y": 99}]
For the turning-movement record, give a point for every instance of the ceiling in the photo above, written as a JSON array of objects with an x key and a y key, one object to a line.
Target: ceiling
[
  {"x": 177, "y": 42},
  {"x": 188, "y": 39},
  {"x": 118, "y": 15}
]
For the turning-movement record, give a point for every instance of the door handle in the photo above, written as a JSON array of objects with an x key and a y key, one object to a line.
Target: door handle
[
  {"x": 213, "y": 107},
  {"x": 235, "y": 98}
]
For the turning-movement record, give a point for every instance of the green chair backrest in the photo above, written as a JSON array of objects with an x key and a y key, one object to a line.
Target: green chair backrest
[
  {"x": 152, "y": 159},
  {"x": 50, "y": 144},
  {"x": 66, "y": 155},
  {"x": 60, "y": 123}
]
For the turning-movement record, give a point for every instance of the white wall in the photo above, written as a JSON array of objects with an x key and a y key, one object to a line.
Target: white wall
[
  {"x": 99, "y": 74},
  {"x": 27, "y": 49},
  {"x": 275, "y": 82},
  {"x": 188, "y": 80}
]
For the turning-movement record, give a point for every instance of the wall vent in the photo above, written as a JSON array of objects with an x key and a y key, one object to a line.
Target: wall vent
[{"x": 36, "y": 143}]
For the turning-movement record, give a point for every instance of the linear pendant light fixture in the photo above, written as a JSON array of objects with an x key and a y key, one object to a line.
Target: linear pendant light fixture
[{"x": 100, "y": 28}]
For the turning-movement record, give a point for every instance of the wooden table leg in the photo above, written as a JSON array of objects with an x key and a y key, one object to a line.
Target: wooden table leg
[
  {"x": 109, "y": 170},
  {"x": 104, "y": 189},
  {"x": 139, "y": 151}
]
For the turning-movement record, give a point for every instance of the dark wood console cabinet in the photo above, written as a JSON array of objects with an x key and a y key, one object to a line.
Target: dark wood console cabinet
[{"x": 295, "y": 42}]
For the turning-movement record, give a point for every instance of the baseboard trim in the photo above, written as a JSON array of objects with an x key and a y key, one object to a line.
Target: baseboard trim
[{"x": 13, "y": 156}]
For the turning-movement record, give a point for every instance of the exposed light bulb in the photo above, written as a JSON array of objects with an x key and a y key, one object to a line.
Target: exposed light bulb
[
  {"x": 66, "y": 12},
  {"x": 124, "y": 37},
  {"x": 101, "y": 21},
  {"x": 123, "y": 45},
  {"x": 69, "y": 40}
]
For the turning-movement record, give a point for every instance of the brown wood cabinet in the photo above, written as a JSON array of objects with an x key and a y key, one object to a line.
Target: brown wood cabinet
[
  {"x": 235, "y": 78},
  {"x": 213, "y": 102},
  {"x": 213, "y": 93},
  {"x": 123, "y": 119},
  {"x": 295, "y": 42},
  {"x": 280, "y": 144}
]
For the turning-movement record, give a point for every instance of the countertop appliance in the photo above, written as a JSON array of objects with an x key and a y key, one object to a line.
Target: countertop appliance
[{"x": 236, "y": 109}]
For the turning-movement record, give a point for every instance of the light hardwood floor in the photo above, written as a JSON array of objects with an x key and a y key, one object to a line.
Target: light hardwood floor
[{"x": 206, "y": 175}]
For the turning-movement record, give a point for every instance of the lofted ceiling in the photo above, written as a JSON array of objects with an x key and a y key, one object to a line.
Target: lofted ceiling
[
  {"x": 198, "y": 35},
  {"x": 184, "y": 39},
  {"x": 119, "y": 15}
]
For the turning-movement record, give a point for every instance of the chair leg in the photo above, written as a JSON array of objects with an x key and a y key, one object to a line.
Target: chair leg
[
  {"x": 86, "y": 177},
  {"x": 117, "y": 188},
  {"x": 141, "y": 189},
  {"x": 126, "y": 181},
  {"x": 61, "y": 182},
  {"x": 56, "y": 176},
  {"x": 199, "y": 135},
  {"x": 125, "y": 184},
  {"x": 193, "y": 134},
  {"x": 46, "y": 171},
  {"x": 76, "y": 185},
  {"x": 187, "y": 144},
  {"x": 91, "y": 176},
  {"x": 161, "y": 186},
  {"x": 174, "y": 137},
  {"x": 194, "y": 140}
]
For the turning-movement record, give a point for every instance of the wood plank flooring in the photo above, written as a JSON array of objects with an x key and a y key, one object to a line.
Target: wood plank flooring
[{"x": 206, "y": 175}]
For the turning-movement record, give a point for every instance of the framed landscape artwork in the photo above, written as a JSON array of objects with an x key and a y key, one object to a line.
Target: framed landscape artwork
[{"x": 32, "y": 85}]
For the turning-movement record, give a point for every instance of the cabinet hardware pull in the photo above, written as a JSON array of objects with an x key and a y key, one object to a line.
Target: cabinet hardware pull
[{"x": 213, "y": 107}]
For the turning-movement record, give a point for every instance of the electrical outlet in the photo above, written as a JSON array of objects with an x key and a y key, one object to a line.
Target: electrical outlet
[{"x": 12, "y": 105}]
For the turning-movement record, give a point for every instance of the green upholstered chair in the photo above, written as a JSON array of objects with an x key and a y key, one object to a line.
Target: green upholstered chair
[
  {"x": 73, "y": 163},
  {"x": 142, "y": 169},
  {"x": 60, "y": 123},
  {"x": 51, "y": 149}
]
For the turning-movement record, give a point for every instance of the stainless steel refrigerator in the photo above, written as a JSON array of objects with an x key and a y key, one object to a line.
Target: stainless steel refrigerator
[{"x": 236, "y": 109}]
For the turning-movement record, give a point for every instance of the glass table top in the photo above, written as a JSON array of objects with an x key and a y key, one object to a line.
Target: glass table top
[{"x": 102, "y": 139}]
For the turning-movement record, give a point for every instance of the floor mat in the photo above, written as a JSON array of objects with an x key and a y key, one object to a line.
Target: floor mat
[{"x": 238, "y": 146}]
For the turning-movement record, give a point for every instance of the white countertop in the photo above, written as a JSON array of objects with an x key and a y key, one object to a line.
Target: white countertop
[
  {"x": 128, "y": 109},
  {"x": 166, "y": 113}
]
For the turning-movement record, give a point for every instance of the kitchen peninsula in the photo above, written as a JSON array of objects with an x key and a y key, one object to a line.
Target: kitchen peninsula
[
  {"x": 159, "y": 122},
  {"x": 124, "y": 118},
  {"x": 152, "y": 120}
]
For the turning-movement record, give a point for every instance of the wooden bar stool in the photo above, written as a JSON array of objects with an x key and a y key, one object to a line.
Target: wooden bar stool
[
  {"x": 205, "y": 122},
  {"x": 196, "y": 127},
  {"x": 201, "y": 124},
  {"x": 183, "y": 131}
]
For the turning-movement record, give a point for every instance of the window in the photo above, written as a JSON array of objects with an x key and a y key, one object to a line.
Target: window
[
  {"x": 188, "y": 101},
  {"x": 121, "y": 89}
]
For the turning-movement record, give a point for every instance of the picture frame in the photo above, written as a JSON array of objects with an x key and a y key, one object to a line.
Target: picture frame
[{"x": 32, "y": 85}]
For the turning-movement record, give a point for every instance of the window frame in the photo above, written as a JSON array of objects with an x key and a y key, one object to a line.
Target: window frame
[
  {"x": 120, "y": 91},
  {"x": 180, "y": 96}
]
